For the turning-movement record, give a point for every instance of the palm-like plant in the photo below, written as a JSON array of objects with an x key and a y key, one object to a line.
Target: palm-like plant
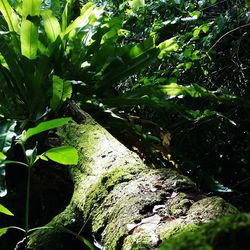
[
  {"x": 37, "y": 50},
  {"x": 42, "y": 47}
]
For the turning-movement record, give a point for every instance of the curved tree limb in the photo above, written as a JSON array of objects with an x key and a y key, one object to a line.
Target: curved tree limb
[{"x": 127, "y": 204}]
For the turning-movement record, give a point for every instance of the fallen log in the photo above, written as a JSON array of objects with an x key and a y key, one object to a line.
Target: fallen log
[{"x": 124, "y": 203}]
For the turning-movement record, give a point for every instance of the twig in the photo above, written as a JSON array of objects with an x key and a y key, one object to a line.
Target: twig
[{"x": 231, "y": 31}]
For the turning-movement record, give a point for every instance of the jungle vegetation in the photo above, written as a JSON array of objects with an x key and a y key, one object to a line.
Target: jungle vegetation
[{"x": 168, "y": 78}]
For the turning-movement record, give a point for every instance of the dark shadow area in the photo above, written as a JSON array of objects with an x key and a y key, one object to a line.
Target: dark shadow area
[{"x": 51, "y": 191}]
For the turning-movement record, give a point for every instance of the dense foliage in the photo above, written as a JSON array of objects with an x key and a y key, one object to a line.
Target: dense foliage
[
  {"x": 44, "y": 45},
  {"x": 170, "y": 75},
  {"x": 197, "y": 95}
]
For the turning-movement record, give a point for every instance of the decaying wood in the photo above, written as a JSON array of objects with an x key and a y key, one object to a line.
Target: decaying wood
[{"x": 125, "y": 203}]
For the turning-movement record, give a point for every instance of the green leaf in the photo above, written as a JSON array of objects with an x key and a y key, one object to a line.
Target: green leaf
[
  {"x": 161, "y": 96},
  {"x": 125, "y": 61},
  {"x": 205, "y": 27},
  {"x": 118, "y": 70},
  {"x": 81, "y": 238},
  {"x": 115, "y": 25},
  {"x": 188, "y": 52},
  {"x": 9, "y": 15},
  {"x": 3, "y": 231},
  {"x": 29, "y": 39},
  {"x": 195, "y": 55},
  {"x": 29, "y": 27},
  {"x": 43, "y": 49},
  {"x": 31, "y": 156},
  {"x": 51, "y": 25},
  {"x": 65, "y": 155},
  {"x": 196, "y": 14},
  {"x": 87, "y": 243},
  {"x": 2, "y": 156},
  {"x": 82, "y": 20},
  {"x": 31, "y": 7},
  {"x": 196, "y": 32},
  {"x": 140, "y": 48},
  {"x": 62, "y": 91},
  {"x": 15, "y": 71},
  {"x": 3, "y": 189},
  {"x": 4, "y": 210},
  {"x": 42, "y": 157},
  {"x": 167, "y": 47},
  {"x": 188, "y": 65},
  {"x": 7, "y": 133},
  {"x": 45, "y": 126},
  {"x": 65, "y": 15},
  {"x": 3, "y": 62},
  {"x": 136, "y": 4}
]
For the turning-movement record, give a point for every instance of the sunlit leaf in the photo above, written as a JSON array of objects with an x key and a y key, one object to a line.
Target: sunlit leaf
[
  {"x": 87, "y": 243},
  {"x": 82, "y": 20},
  {"x": 167, "y": 47},
  {"x": 125, "y": 61},
  {"x": 29, "y": 39},
  {"x": 140, "y": 48},
  {"x": 51, "y": 25},
  {"x": 3, "y": 62},
  {"x": 7, "y": 133},
  {"x": 3, "y": 231},
  {"x": 2, "y": 156},
  {"x": 29, "y": 27},
  {"x": 45, "y": 126},
  {"x": 196, "y": 32},
  {"x": 6, "y": 211},
  {"x": 195, "y": 55},
  {"x": 42, "y": 157},
  {"x": 62, "y": 91},
  {"x": 65, "y": 155},
  {"x": 31, "y": 7},
  {"x": 196, "y": 14},
  {"x": 188, "y": 65},
  {"x": 205, "y": 27},
  {"x": 161, "y": 97},
  {"x": 65, "y": 16},
  {"x": 136, "y": 4},
  {"x": 115, "y": 25},
  {"x": 9, "y": 15}
]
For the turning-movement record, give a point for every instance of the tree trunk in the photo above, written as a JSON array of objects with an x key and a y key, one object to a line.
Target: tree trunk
[{"x": 123, "y": 202}]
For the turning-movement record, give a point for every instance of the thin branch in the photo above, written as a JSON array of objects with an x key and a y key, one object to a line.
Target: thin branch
[{"x": 231, "y": 31}]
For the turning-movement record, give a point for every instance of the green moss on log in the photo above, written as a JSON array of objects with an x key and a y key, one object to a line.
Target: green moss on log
[
  {"x": 141, "y": 241},
  {"x": 179, "y": 205},
  {"x": 122, "y": 206},
  {"x": 200, "y": 212},
  {"x": 210, "y": 208},
  {"x": 114, "y": 189},
  {"x": 228, "y": 233}
]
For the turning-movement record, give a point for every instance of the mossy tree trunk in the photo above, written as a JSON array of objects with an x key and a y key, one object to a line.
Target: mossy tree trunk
[{"x": 125, "y": 203}]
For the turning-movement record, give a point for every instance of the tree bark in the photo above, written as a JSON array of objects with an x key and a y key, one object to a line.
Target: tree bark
[{"x": 123, "y": 202}]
